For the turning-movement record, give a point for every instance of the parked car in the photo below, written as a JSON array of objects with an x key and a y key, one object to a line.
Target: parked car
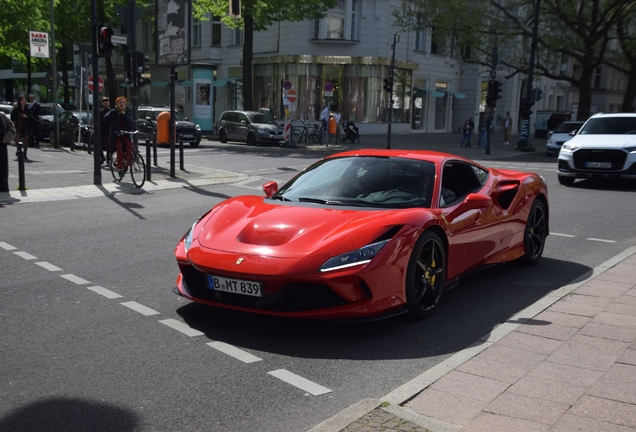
[
  {"x": 70, "y": 122},
  {"x": 189, "y": 131},
  {"x": 363, "y": 234},
  {"x": 6, "y": 108},
  {"x": 47, "y": 119},
  {"x": 604, "y": 147},
  {"x": 564, "y": 132},
  {"x": 251, "y": 127}
]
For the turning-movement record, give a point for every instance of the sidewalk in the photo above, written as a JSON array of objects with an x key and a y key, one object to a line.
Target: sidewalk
[{"x": 566, "y": 363}]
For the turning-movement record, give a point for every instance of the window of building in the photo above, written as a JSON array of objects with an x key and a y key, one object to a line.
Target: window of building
[
  {"x": 441, "y": 106},
  {"x": 197, "y": 35},
  {"x": 597, "y": 78},
  {"x": 342, "y": 22},
  {"x": 216, "y": 31},
  {"x": 237, "y": 37},
  {"x": 420, "y": 37}
]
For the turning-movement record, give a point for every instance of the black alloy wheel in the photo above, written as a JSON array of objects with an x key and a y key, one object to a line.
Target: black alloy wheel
[
  {"x": 535, "y": 233},
  {"x": 426, "y": 275},
  {"x": 251, "y": 139},
  {"x": 222, "y": 136}
]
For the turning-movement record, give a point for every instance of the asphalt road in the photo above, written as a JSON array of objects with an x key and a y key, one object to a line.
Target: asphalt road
[{"x": 76, "y": 358}]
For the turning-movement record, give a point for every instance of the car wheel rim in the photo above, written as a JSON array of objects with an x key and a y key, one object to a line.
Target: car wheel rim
[
  {"x": 536, "y": 231},
  {"x": 429, "y": 278}
]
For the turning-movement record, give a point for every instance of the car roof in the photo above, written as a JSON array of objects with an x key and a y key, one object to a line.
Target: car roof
[
  {"x": 614, "y": 115},
  {"x": 245, "y": 112}
]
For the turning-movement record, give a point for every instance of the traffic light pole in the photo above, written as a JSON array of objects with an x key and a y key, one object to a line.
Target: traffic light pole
[
  {"x": 134, "y": 90},
  {"x": 526, "y": 108},
  {"x": 97, "y": 146},
  {"x": 396, "y": 39}
]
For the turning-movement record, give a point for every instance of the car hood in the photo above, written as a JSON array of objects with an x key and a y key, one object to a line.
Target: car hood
[
  {"x": 184, "y": 123},
  {"x": 603, "y": 141},
  {"x": 267, "y": 127},
  {"x": 252, "y": 225},
  {"x": 561, "y": 136}
]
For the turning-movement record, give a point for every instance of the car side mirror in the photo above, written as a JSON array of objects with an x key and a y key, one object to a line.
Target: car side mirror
[
  {"x": 471, "y": 202},
  {"x": 550, "y": 133},
  {"x": 270, "y": 188},
  {"x": 573, "y": 132},
  {"x": 186, "y": 119},
  {"x": 148, "y": 118},
  {"x": 243, "y": 122}
]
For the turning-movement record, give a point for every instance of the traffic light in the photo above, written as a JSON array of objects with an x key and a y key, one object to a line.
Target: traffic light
[
  {"x": 497, "y": 90},
  {"x": 128, "y": 67},
  {"x": 526, "y": 107},
  {"x": 104, "y": 44},
  {"x": 388, "y": 84},
  {"x": 491, "y": 95},
  {"x": 142, "y": 68},
  {"x": 235, "y": 8}
]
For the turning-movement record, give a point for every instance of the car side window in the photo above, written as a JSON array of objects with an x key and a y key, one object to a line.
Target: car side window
[
  {"x": 242, "y": 117},
  {"x": 458, "y": 180}
]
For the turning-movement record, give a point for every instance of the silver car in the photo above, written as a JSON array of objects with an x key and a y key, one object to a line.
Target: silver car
[
  {"x": 564, "y": 132},
  {"x": 250, "y": 126}
]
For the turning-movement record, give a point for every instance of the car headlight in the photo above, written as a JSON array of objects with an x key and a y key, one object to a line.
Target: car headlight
[
  {"x": 197, "y": 127},
  {"x": 187, "y": 242},
  {"x": 551, "y": 141},
  {"x": 357, "y": 257},
  {"x": 569, "y": 147},
  {"x": 262, "y": 131},
  {"x": 631, "y": 149}
]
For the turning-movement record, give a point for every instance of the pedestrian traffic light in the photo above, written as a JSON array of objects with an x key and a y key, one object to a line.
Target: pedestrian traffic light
[
  {"x": 235, "y": 8},
  {"x": 497, "y": 90},
  {"x": 388, "y": 84},
  {"x": 142, "y": 68},
  {"x": 491, "y": 95},
  {"x": 526, "y": 108},
  {"x": 128, "y": 67},
  {"x": 104, "y": 44}
]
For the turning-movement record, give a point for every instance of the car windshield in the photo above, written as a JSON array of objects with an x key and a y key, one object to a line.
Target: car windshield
[
  {"x": 363, "y": 182},
  {"x": 153, "y": 115},
  {"x": 567, "y": 127},
  {"x": 610, "y": 126},
  {"x": 48, "y": 110},
  {"x": 262, "y": 119}
]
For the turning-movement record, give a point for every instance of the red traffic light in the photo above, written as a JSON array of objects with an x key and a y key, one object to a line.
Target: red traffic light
[
  {"x": 104, "y": 44},
  {"x": 388, "y": 84}
]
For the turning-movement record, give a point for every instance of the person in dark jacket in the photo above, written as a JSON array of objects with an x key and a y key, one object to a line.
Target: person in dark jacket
[
  {"x": 104, "y": 130},
  {"x": 23, "y": 120},
  {"x": 36, "y": 110},
  {"x": 120, "y": 119},
  {"x": 7, "y": 134}
]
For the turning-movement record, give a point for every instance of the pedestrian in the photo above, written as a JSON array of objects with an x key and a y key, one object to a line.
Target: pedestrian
[
  {"x": 104, "y": 127},
  {"x": 21, "y": 118},
  {"x": 469, "y": 125},
  {"x": 483, "y": 131},
  {"x": 506, "y": 127},
  {"x": 36, "y": 110},
  {"x": 324, "y": 118},
  {"x": 338, "y": 117},
  {"x": 7, "y": 132}
]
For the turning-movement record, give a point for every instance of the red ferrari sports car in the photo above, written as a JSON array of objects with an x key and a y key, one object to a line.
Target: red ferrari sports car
[{"x": 362, "y": 234}]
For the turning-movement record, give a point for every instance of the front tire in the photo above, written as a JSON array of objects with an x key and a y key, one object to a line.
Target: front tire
[
  {"x": 426, "y": 275},
  {"x": 138, "y": 170},
  {"x": 113, "y": 168},
  {"x": 535, "y": 233},
  {"x": 251, "y": 139},
  {"x": 222, "y": 136},
  {"x": 195, "y": 144}
]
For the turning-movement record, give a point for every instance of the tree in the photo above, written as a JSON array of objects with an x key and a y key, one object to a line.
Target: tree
[
  {"x": 623, "y": 58},
  {"x": 258, "y": 15}
]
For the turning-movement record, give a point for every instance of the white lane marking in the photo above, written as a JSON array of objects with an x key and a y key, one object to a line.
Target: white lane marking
[
  {"x": 144, "y": 310},
  {"x": 105, "y": 292},
  {"x": 562, "y": 235},
  {"x": 7, "y": 246},
  {"x": 237, "y": 353},
  {"x": 48, "y": 266},
  {"x": 25, "y": 255},
  {"x": 600, "y": 240},
  {"x": 300, "y": 382},
  {"x": 183, "y": 328},
  {"x": 75, "y": 279}
]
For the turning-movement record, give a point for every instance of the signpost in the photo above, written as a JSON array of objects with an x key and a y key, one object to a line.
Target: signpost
[
  {"x": 292, "y": 96},
  {"x": 39, "y": 44}
]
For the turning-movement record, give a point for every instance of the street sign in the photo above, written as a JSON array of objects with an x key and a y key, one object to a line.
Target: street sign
[
  {"x": 39, "y": 43},
  {"x": 329, "y": 86},
  {"x": 292, "y": 96},
  {"x": 119, "y": 40},
  {"x": 100, "y": 82},
  {"x": 287, "y": 85}
]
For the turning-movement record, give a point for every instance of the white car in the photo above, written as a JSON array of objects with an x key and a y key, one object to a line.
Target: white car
[
  {"x": 564, "y": 132},
  {"x": 605, "y": 147}
]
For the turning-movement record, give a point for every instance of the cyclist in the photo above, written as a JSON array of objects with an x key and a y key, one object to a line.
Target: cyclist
[{"x": 120, "y": 120}]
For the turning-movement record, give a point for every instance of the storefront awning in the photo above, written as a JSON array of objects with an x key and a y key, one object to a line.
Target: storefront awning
[
  {"x": 222, "y": 82},
  {"x": 456, "y": 94},
  {"x": 420, "y": 90}
]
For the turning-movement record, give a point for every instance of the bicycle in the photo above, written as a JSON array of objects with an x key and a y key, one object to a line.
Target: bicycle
[
  {"x": 315, "y": 133},
  {"x": 137, "y": 166}
]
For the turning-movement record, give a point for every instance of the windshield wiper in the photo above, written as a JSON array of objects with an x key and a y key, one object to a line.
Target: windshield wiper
[
  {"x": 331, "y": 202},
  {"x": 279, "y": 198}
]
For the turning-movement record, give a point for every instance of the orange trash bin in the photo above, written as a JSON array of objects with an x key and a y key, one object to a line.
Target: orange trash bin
[
  {"x": 163, "y": 128},
  {"x": 332, "y": 127}
]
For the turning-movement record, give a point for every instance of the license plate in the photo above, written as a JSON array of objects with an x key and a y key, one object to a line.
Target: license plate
[
  {"x": 598, "y": 164},
  {"x": 237, "y": 286},
  {"x": 187, "y": 136}
]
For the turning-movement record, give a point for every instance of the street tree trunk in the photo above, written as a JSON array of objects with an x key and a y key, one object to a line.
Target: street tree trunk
[
  {"x": 248, "y": 50},
  {"x": 585, "y": 94},
  {"x": 630, "y": 94}
]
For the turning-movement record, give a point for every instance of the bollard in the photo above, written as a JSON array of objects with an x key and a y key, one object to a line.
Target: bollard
[
  {"x": 181, "y": 155},
  {"x": 20, "y": 147},
  {"x": 148, "y": 176},
  {"x": 154, "y": 150}
]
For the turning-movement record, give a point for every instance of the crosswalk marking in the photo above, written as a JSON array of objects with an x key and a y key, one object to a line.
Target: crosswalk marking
[
  {"x": 137, "y": 307},
  {"x": 75, "y": 279},
  {"x": 300, "y": 382},
  {"x": 105, "y": 292},
  {"x": 48, "y": 266},
  {"x": 181, "y": 327},
  {"x": 232, "y": 351},
  {"x": 25, "y": 255}
]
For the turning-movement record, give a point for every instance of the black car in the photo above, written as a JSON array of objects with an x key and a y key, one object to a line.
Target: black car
[
  {"x": 6, "y": 108},
  {"x": 189, "y": 131},
  {"x": 70, "y": 122}
]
